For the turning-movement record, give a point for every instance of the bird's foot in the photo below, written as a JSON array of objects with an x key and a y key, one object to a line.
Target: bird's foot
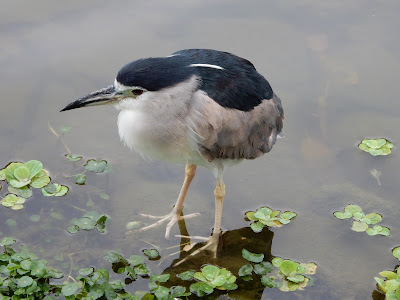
[
  {"x": 173, "y": 217},
  {"x": 211, "y": 245}
]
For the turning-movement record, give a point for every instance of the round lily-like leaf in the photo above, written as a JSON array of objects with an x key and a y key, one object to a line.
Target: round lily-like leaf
[
  {"x": 371, "y": 231},
  {"x": 80, "y": 179},
  {"x": 86, "y": 223},
  {"x": 73, "y": 229},
  {"x": 96, "y": 166},
  {"x": 384, "y": 231},
  {"x": 34, "y": 167},
  {"x": 373, "y": 218},
  {"x": 25, "y": 281},
  {"x": 135, "y": 260},
  {"x": 245, "y": 270},
  {"x": 277, "y": 261},
  {"x": 351, "y": 208},
  {"x": 359, "y": 226},
  {"x": 151, "y": 253},
  {"x": 253, "y": 257},
  {"x": 288, "y": 266},
  {"x": 187, "y": 275},
  {"x": 210, "y": 272},
  {"x": 51, "y": 189},
  {"x": 86, "y": 271},
  {"x": 69, "y": 289}
]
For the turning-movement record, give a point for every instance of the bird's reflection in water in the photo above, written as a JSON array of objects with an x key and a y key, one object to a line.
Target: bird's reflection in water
[{"x": 229, "y": 256}]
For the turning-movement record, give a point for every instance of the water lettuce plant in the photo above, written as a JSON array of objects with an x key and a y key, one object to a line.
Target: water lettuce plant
[
  {"x": 211, "y": 277},
  {"x": 362, "y": 221},
  {"x": 22, "y": 177},
  {"x": 288, "y": 275},
  {"x": 376, "y": 147},
  {"x": 96, "y": 166},
  {"x": 390, "y": 283},
  {"x": 265, "y": 216}
]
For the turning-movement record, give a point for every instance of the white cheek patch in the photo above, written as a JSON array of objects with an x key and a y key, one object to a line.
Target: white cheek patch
[
  {"x": 119, "y": 87},
  {"x": 207, "y": 66}
]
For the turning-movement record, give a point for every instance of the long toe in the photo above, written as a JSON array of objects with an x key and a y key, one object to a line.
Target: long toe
[{"x": 171, "y": 218}]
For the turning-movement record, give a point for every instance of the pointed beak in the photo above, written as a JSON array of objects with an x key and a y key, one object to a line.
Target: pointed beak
[{"x": 104, "y": 96}]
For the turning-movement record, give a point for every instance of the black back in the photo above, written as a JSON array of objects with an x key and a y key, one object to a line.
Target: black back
[{"x": 237, "y": 86}]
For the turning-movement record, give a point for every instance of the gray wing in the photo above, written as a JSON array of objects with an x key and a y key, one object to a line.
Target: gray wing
[{"x": 228, "y": 133}]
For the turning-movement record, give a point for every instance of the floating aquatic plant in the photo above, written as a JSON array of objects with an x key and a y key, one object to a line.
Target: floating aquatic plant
[
  {"x": 265, "y": 216},
  {"x": 89, "y": 221},
  {"x": 376, "y": 147},
  {"x": 211, "y": 277},
  {"x": 13, "y": 201},
  {"x": 390, "y": 283},
  {"x": 362, "y": 221},
  {"x": 288, "y": 275},
  {"x": 96, "y": 166},
  {"x": 54, "y": 189}
]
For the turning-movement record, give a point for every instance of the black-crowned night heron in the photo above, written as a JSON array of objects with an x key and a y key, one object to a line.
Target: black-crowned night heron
[{"x": 198, "y": 107}]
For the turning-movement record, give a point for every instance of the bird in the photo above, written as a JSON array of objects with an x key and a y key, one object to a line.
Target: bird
[{"x": 199, "y": 107}]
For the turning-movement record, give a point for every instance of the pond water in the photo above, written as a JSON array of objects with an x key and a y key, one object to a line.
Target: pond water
[{"x": 334, "y": 64}]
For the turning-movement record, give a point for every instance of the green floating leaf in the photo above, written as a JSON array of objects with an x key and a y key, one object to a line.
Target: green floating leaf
[
  {"x": 96, "y": 166},
  {"x": 54, "y": 189},
  {"x": 73, "y": 157},
  {"x": 7, "y": 241},
  {"x": 376, "y": 146},
  {"x": 342, "y": 215},
  {"x": 201, "y": 289},
  {"x": 359, "y": 226},
  {"x": 351, "y": 208},
  {"x": 34, "y": 167},
  {"x": 257, "y": 227},
  {"x": 277, "y": 261},
  {"x": 24, "y": 281},
  {"x": 253, "y": 257},
  {"x": 263, "y": 268},
  {"x": 245, "y": 270},
  {"x": 73, "y": 229},
  {"x": 288, "y": 266},
  {"x": 86, "y": 271},
  {"x": 2, "y": 174},
  {"x": 187, "y": 275},
  {"x": 268, "y": 281},
  {"x": 24, "y": 192},
  {"x": 151, "y": 253},
  {"x": 69, "y": 289},
  {"x": 135, "y": 260},
  {"x": 396, "y": 252}
]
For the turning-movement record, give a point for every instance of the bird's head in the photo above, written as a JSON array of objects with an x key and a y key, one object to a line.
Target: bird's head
[{"x": 136, "y": 79}]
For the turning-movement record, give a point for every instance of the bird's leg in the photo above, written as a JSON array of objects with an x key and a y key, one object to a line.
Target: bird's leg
[
  {"x": 175, "y": 214},
  {"x": 212, "y": 242}
]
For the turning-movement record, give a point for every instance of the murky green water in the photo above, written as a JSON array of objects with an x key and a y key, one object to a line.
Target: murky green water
[{"x": 334, "y": 64}]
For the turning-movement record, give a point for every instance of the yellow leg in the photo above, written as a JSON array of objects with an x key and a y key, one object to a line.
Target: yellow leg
[
  {"x": 212, "y": 243},
  {"x": 219, "y": 194},
  {"x": 190, "y": 171},
  {"x": 175, "y": 214}
]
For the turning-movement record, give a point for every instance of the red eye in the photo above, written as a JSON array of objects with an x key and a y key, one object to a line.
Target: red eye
[{"x": 137, "y": 92}]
